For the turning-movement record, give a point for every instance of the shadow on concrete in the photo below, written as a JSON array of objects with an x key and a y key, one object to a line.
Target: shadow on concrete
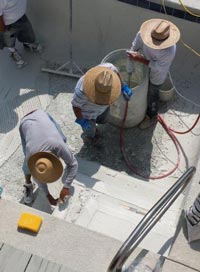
[
  {"x": 8, "y": 116},
  {"x": 137, "y": 146},
  {"x": 34, "y": 234},
  {"x": 179, "y": 104},
  {"x": 145, "y": 150},
  {"x": 8, "y": 119},
  {"x": 181, "y": 225},
  {"x": 40, "y": 202},
  {"x": 142, "y": 258},
  {"x": 167, "y": 245},
  {"x": 29, "y": 78}
]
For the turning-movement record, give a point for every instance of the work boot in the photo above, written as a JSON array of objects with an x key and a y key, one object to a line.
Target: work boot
[
  {"x": 28, "y": 193},
  {"x": 18, "y": 59},
  {"x": 147, "y": 122},
  {"x": 52, "y": 200},
  {"x": 33, "y": 47},
  {"x": 94, "y": 142}
]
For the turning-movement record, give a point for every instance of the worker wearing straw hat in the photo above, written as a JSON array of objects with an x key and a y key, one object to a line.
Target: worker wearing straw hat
[
  {"x": 155, "y": 46},
  {"x": 43, "y": 145},
  {"x": 93, "y": 95}
]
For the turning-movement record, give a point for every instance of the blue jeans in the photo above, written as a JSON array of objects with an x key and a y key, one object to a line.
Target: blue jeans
[{"x": 101, "y": 119}]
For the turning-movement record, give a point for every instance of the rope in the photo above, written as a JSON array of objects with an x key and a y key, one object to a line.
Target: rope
[
  {"x": 185, "y": 44},
  {"x": 187, "y": 10}
]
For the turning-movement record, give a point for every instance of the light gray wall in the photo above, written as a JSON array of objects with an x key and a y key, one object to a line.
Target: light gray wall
[
  {"x": 101, "y": 26},
  {"x": 50, "y": 22}
]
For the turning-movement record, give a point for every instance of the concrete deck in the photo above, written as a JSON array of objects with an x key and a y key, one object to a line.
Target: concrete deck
[
  {"x": 106, "y": 194},
  {"x": 60, "y": 246},
  {"x": 57, "y": 240},
  {"x": 11, "y": 257}
]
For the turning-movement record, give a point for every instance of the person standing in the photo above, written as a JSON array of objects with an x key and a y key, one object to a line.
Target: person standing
[
  {"x": 155, "y": 46},
  {"x": 14, "y": 24},
  {"x": 43, "y": 144}
]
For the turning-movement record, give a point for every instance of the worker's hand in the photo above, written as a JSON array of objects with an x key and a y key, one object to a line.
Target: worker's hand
[
  {"x": 52, "y": 200},
  {"x": 126, "y": 90},
  {"x": 84, "y": 123},
  {"x": 134, "y": 55},
  {"x": 64, "y": 194}
]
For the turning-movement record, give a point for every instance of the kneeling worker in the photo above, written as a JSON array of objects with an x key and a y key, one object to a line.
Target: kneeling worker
[{"x": 43, "y": 144}]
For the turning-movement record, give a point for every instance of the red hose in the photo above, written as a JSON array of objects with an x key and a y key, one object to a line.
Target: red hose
[
  {"x": 184, "y": 132},
  {"x": 169, "y": 132}
]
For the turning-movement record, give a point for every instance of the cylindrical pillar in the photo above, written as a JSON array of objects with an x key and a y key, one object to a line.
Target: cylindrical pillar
[{"x": 138, "y": 81}]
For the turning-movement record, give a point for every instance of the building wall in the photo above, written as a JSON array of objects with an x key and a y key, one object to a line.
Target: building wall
[
  {"x": 101, "y": 26},
  {"x": 50, "y": 22}
]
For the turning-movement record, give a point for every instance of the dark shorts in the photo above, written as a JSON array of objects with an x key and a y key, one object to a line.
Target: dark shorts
[
  {"x": 101, "y": 119},
  {"x": 21, "y": 30}
]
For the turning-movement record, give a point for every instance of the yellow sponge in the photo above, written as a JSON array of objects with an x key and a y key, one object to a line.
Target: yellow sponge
[{"x": 30, "y": 222}]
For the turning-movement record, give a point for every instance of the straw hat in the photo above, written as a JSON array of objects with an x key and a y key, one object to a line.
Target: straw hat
[
  {"x": 45, "y": 167},
  {"x": 159, "y": 33},
  {"x": 101, "y": 85}
]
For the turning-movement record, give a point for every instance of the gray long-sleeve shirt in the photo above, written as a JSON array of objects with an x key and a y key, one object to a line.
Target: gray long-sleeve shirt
[
  {"x": 40, "y": 132},
  {"x": 159, "y": 59}
]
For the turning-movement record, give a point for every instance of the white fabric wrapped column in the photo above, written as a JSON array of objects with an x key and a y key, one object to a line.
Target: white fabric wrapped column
[{"x": 139, "y": 81}]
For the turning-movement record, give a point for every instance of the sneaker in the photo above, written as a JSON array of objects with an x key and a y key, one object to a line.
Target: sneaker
[
  {"x": 147, "y": 122},
  {"x": 18, "y": 59},
  {"x": 33, "y": 47},
  {"x": 52, "y": 200},
  {"x": 28, "y": 193}
]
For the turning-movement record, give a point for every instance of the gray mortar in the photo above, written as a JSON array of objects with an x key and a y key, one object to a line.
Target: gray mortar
[{"x": 145, "y": 149}]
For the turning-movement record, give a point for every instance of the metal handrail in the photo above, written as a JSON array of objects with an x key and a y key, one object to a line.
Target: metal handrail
[{"x": 149, "y": 220}]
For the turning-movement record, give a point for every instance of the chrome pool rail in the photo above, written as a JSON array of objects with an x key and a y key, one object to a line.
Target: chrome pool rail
[{"x": 149, "y": 220}]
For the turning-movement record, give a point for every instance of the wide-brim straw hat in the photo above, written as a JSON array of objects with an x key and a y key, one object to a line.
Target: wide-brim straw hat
[
  {"x": 93, "y": 93},
  {"x": 146, "y": 34},
  {"x": 45, "y": 167}
]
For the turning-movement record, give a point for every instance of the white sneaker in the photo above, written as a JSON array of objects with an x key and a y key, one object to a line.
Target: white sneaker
[
  {"x": 28, "y": 193},
  {"x": 18, "y": 59}
]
